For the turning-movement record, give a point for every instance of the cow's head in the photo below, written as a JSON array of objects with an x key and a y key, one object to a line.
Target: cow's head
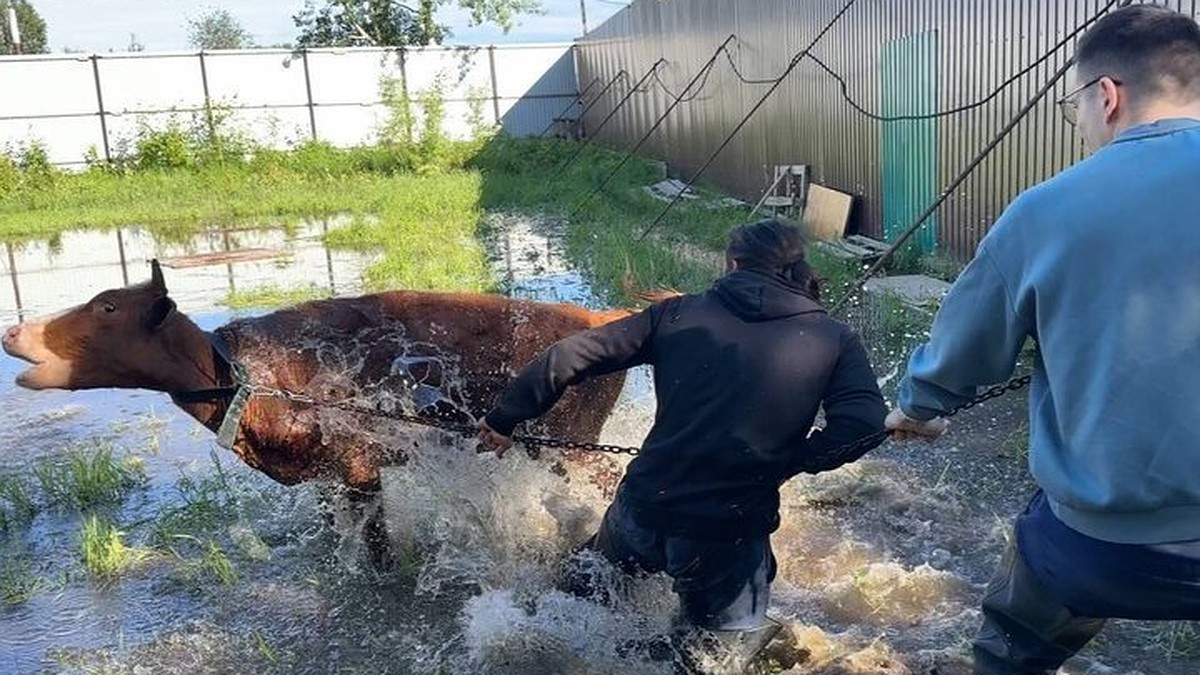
[{"x": 117, "y": 339}]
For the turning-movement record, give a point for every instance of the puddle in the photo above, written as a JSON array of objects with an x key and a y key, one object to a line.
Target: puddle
[
  {"x": 202, "y": 272},
  {"x": 527, "y": 257},
  {"x": 881, "y": 563}
]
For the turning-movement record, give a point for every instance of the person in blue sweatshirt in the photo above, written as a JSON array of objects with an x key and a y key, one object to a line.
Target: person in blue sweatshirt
[
  {"x": 1100, "y": 266},
  {"x": 740, "y": 372}
]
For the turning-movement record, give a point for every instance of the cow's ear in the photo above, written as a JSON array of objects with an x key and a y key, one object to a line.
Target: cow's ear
[
  {"x": 159, "y": 312},
  {"x": 156, "y": 277}
]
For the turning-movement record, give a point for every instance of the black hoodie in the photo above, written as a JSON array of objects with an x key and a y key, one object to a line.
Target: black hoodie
[{"x": 739, "y": 375}]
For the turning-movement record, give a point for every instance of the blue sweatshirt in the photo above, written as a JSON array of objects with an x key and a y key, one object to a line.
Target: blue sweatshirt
[{"x": 1101, "y": 266}]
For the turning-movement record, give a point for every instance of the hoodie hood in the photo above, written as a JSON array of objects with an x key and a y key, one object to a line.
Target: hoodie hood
[{"x": 757, "y": 296}]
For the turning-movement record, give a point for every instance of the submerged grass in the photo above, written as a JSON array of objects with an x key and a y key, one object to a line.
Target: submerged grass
[
  {"x": 17, "y": 506},
  {"x": 104, "y": 552},
  {"x": 18, "y": 583},
  {"x": 88, "y": 477},
  {"x": 208, "y": 562}
]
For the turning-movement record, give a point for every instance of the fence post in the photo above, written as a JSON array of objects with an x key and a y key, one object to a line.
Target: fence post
[
  {"x": 328, "y": 255},
  {"x": 495, "y": 89},
  {"x": 121, "y": 255},
  {"x": 100, "y": 107},
  {"x": 212, "y": 129},
  {"x": 12, "y": 272},
  {"x": 404, "y": 91},
  {"x": 312, "y": 111}
]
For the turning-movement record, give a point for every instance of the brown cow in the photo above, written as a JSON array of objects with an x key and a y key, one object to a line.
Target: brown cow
[{"x": 446, "y": 355}]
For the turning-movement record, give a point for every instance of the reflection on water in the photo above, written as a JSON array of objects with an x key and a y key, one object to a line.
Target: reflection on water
[{"x": 202, "y": 270}]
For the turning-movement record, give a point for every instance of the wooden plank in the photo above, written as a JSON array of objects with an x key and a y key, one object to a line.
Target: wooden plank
[
  {"x": 222, "y": 258},
  {"x": 827, "y": 212}
]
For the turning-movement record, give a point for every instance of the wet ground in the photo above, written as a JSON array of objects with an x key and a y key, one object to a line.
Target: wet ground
[{"x": 882, "y": 563}]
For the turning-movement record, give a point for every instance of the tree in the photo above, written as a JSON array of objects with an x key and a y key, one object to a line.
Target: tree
[
  {"x": 349, "y": 23},
  {"x": 217, "y": 29},
  {"x": 30, "y": 24}
]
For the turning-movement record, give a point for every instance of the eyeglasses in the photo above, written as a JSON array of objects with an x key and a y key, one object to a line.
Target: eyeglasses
[{"x": 1069, "y": 104}]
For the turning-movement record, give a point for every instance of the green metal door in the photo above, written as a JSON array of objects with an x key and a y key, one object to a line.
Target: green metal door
[{"x": 908, "y": 85}]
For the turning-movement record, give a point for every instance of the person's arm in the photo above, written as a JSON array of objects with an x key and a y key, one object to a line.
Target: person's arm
[
  {"x": 975, "y": 339},
  {"x": 854, "y": 409},
  {"x": 599, "y": 351}
]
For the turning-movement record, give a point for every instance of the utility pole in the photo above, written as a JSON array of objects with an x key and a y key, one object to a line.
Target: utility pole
[{"x": 583, "y": 14}]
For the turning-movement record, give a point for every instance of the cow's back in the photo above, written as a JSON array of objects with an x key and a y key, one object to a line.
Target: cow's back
[{"x": 468, "y": 346}]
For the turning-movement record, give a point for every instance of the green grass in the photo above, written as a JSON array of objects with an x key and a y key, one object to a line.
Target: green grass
[
  {"x": 88, "y": 477},
  {"x": 207, "y": 506},
  {"x": 420, "y": 205},
  {"x": 603, "y": 232},
  {"x": 17, "y": 506},
  {"x": 17, "y": 582},
  {"x": 424, "y": 224},
  {"x": 209, "y": 563},
  {"x": 838, "y": 274},
  {"x": 273, "y": 296},
  {"x": 104, "y": 552},
  {"x": 428, "y": 232}
]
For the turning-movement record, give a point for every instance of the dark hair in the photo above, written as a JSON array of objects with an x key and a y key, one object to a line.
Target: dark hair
[
  {"x": 774, "y": 247},
  {"x": 1154, "y": 51}
]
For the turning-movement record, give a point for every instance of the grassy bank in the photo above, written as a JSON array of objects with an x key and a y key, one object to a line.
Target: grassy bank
[
  {"x": 421, "y": 208},
  {"x": 424, "y": 222}
]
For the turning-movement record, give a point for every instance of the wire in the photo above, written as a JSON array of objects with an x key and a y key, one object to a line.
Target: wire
[
  {"x": 578, "y": 99},
  {"x": 962, "y": 177},
  {"x": 703, "y": 83},
  {"x": 944, "y": 113},
  {"x": 595, "y": 133},
  {"x": 630, "y": 153},
  {"x": 791, "y": 66}
]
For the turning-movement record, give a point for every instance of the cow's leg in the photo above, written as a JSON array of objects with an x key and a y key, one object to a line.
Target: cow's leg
[
  {"x": 347, "y": 512},
  {"x": 363, "y": 487}
]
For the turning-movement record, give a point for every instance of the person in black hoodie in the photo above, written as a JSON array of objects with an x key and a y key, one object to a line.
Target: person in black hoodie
[{"x": 739, "y": 374}]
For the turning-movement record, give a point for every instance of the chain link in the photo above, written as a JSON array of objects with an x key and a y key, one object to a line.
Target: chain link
[
  {"x": 849, "y": 452},
  {"x": 468, "y": 430},
  {"x": 993, "y": 392},
  {"x": 856, "y": 449}
]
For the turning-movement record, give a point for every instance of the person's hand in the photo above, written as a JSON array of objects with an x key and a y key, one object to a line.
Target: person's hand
[
  {"x": 905, "y": 428},
  {"x": 493, "y": 440}
]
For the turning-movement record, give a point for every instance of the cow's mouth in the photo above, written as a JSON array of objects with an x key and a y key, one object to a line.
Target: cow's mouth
[
  {"x": 11, "y": 350},
  {"x": 30, "y": 377}
]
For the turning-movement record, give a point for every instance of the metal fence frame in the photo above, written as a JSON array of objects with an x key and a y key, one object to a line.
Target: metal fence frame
[{"x": 555, "y": 97}]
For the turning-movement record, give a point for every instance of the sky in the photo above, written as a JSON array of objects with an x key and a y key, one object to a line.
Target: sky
[{"x": 159, "y": 25}]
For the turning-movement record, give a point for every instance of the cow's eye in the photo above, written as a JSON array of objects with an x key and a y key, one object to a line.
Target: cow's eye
[{"x": 109, "y": 308}]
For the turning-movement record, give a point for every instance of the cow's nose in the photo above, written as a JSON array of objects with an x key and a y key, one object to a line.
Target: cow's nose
[{"x": 12, "y": 333}]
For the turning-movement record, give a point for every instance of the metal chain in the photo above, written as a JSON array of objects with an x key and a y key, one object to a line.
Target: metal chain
[
  {"x": 467, "y": 430},
  {"x": 856, "y": 449},
  {"x": 849, "y": 451},
  {"x": 993, "y": 392}
]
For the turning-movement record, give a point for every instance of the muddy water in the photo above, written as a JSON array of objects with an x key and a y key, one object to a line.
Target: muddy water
[{"x": 881, "y": 564}]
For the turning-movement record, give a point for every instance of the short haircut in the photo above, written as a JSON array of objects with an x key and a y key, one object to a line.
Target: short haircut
[{"x": 1154, "y": 52}]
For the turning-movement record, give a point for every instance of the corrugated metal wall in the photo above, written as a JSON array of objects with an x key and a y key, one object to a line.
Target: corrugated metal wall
[{"x": 979, "y": 45}]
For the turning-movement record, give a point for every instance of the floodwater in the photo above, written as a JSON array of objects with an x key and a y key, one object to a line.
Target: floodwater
[{"x": 881, "y": 564}]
